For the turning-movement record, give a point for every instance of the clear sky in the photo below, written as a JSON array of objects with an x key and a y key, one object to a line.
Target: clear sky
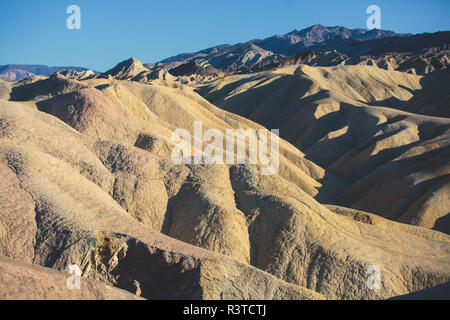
[{"x": 35, "y": 32}]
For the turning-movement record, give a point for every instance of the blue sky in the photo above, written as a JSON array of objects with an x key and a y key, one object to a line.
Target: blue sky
[{"x": 34, "y": 31}]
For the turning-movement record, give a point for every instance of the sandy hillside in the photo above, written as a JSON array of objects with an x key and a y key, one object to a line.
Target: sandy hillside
[{"x": 88, "y": 179}]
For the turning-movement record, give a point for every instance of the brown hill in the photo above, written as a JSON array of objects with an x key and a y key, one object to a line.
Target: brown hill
[
  {"x": 434, "y": 98},
  {"x": 127, "y": 69}
]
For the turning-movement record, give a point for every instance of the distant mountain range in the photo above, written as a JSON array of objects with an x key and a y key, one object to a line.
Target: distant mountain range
[
  {"x": 15, "y": 72},
  {"x": 378, "y": 44},
  {"x": 316, "y": 46}
]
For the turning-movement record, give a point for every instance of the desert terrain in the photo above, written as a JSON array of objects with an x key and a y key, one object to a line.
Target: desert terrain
[{"x": 88, "y": 177}]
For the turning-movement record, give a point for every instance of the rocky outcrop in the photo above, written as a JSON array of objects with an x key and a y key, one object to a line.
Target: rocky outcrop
[{"x": 24, "y": 281}]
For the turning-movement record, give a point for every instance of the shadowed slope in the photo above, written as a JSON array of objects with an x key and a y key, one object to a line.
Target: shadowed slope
[{"x": 105, "y": 204}]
